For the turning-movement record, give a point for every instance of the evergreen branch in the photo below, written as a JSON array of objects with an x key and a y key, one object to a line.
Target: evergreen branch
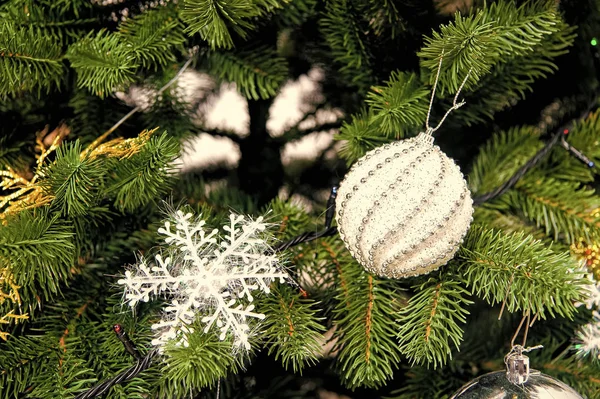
[
  {"x": 153, "y": 36},
  {"x": 28, "y": 61},
  {"x": 73, "y": 180},
  {"x": 339, "y": 27},
  {"x": 103, "y": 63},
  {"x": 508, "y": 222},
  {"x": 258, "y": 72},
  {"x": 361, "y": 135},
  {"x": 142, "y": 365},
  {"x": 93, "y": 115},
  {"x": 11, "y": 153},
  {"x": 430, "y": 322},
  {"x": 562, "y": 208},
  {"x": 45, "y": 18},
  {"x": 533, "y": 161},
  {"x": 368, "y": 353},
  {"x": 384, "y": 18},
  {"x": 292, "y": 331},
  {"x": 75, "y": 7},
  {"x": 38, "y": 250},
  {"x": 501, "y": 157},
  {"x": 139, "y": 179},
  {"x": 582, "y": 376},
  {"x": 583, "y": 136},
  {"x": 197, "y": 366},
  {"x": 138, "y": 108},
  {"x": 63, "y": 374},
  {"x": 400, "y": 105},
  {"x": 295, "y": 12},
  {"x": 422, "y": 383},
  {"x": 520, "y": 271},
  {"x": 21, "y": 360},
  {"x": 291, "y": 218},
  {"x": 491, "y": 36},
  {"x": 217, "y": 20},
  {"x": 509, "y": 81}
]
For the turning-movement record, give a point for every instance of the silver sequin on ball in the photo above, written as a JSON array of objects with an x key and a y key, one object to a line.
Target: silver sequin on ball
[
  {"x": 404, "y": 208},
  {"x": 496, "y": 386}
]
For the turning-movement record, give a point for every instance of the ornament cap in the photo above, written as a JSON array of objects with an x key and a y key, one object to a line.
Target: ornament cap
[
  {"x": 517, "y": 368},
  {"x": 517, "y": 364},
  {"x": 425, "y": 138}
]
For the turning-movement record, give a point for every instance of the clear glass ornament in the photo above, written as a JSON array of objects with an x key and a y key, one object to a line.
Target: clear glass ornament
[{"x": 517, "y": 382}]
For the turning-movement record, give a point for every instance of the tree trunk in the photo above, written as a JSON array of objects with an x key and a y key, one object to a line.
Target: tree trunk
[{"x": 260, "y": 170}]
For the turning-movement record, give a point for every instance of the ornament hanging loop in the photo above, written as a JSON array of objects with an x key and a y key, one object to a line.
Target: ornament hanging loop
[{"x": 455, "y": 103}]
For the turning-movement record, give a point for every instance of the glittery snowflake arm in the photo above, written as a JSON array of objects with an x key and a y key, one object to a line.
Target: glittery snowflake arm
[
  {"x": 146, "y": 281},
  {"x": 213, "y": 278}
]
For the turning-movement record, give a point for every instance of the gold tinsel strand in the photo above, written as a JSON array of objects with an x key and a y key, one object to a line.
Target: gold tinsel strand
[
  {"x": 28, "y": 193},
  {"x": 589, "y": 254}
]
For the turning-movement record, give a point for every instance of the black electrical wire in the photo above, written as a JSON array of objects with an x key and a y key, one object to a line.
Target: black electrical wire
[
  {"x": 141, "y": 365},
  {"x": 541, "y": 154}
]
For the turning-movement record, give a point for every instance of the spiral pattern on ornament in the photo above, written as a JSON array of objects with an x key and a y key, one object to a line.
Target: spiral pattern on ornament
[{"x": 403, "y": 209}]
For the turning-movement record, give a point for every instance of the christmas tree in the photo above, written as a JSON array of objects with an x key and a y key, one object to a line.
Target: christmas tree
[{"x": 369, "y": 269}]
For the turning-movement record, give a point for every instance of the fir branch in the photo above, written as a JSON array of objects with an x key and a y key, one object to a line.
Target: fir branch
[
  {"x": 257, "y": 72},
  {"x": 361, "y": 135},
  {"x": 197, "y": 366},
  {"x": 520, "y": 271},
  {"x": 563, "y": 209},
  {"x": 45, "y": 18},
  {"x": 583, "y": 136},
  {"x": 292, "y": 220},
  {"x": 582, "y": 376},
  {"x": 28, "y": 61},
  {"x": 291, "y": 330},
  {"x": 511, "y": 80},
  {"x": 92, "y": 115},
  {"x": 143, "y": 177},
  {"x": 73, "y": 180},
  {"x": 508, "y": 222},
  {"x": 400, "y": 105},
  {"x": 103, "y": 63},
  {"x": 368, "y": 352},
  {"x": 430, "y": 322},
  {"x": 423, "y": 383},
  {"x": 501, "y": 157},
  {"x": 139, "y": 107},
  {"x": 343, "y": 35},
  {"x": 493, "y": 35},
  {"x": 153, "y": 36},
  {"x": 75, "y": 7},
  {"x": 21, "y": 359},
  {"x": 63, "y": 374},
  {"x": 384, "y": 18},
  {"x": 295, "y": 12},
  {"x": 38, "y": 249},
  {"x": 216, "y": 20},
  {"x": 12, "y": 153}
]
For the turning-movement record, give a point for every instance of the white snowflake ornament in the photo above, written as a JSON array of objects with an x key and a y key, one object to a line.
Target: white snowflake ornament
[
  {"x": 587, "y": 341},
  {"x": 208, "y": 276}
]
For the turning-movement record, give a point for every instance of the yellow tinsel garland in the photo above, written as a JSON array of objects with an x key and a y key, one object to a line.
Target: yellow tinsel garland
[{"x": 28, "y": 193}]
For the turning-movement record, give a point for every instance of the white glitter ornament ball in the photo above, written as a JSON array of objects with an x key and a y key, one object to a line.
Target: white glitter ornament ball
[{"x": 403, "y": 209}]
